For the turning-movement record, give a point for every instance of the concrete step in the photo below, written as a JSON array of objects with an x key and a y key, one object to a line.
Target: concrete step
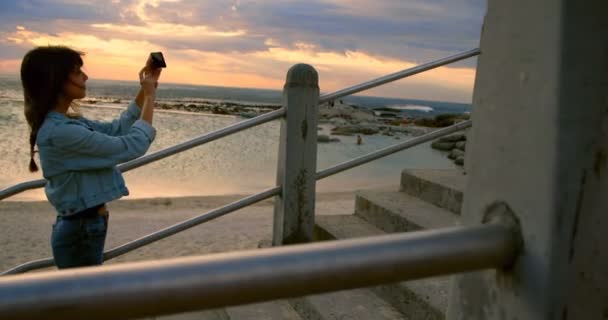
[
  {"x": 214, "y": 314},
  {"x": 420, "y": 299},
  {"x": 273, "y": 310},
  {"x": 358, "y": 304},
  {"x": 443, "y": 188},
  {"x": 425, "y": 299},
  {"x": 394, "y": 211}
]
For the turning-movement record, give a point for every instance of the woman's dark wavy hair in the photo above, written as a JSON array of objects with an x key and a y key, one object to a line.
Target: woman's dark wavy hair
[{"x": 44, "y": 71}]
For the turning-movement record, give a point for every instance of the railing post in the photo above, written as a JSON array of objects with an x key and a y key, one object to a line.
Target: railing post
[{"x": 297, "y": 166}]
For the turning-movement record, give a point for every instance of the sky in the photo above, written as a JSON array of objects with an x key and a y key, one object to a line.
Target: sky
[{"x": 252, "y": 43}]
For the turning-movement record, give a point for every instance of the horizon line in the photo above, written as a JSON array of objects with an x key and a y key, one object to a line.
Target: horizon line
[{"x": 263, "y": 89}]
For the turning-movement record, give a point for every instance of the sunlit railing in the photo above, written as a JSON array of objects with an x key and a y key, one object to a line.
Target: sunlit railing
[{"x": 133, "y": 290}]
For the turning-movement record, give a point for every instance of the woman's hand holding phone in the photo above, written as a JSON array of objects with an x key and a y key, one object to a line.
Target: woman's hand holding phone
[{"x": 148, "y": 78}]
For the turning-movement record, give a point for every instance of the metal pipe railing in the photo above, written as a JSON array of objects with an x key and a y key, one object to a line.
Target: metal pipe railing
[
  {"x": 158, "y": 235},
  {"x": 47, "y": 262},
  {"x": 214, "y": 135},
  {"x": 133, "y": 290},
  {"x": 192, "y": 222},
  {"x": 187, "y": 224},
  {"x": 392, "y": 149},
  {"x": 34, "y": 184},
  {"x": 398, "y": 75}
]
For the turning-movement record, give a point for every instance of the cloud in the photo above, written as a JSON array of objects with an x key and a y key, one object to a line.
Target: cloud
[
  {"x": 50, "y": 10},
  {"x": 252, "y": 43},
  {"x": 402, "y": 29},
  {"x": 370, "y": 26},
  {"x": 166, "y": 30}
]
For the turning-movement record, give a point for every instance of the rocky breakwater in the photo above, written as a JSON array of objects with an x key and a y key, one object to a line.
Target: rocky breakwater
[
  {"x": 219, "y": 108},
  {"x": 454, "y": 144},
  {"x": 349, "y": 120},
  {"x": 334, "y": 118}
]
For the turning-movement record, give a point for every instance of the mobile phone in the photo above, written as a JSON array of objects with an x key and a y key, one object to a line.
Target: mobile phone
[{"x": 158, "y": 61}]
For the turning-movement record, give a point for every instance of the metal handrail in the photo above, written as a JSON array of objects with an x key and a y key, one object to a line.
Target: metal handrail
[
  {"x": 392, "y": 149},
  {"x": 398, "y": 75},
  {"x": 34, "y": 184},
  {"x": 139, "y": 289},
  {"x": 158, "y": 235},
  {"x": 184, "y": 225},
  {"x": 205, "y": 138}
]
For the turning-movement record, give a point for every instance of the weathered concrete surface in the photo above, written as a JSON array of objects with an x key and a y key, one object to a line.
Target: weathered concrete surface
[
  {"x": 274, "y": 310},
  {"x": 419, "y": 299},
  {"x": 539, "y": 144},
  {"x": 394, "y": 211},
  {"x": 443, "y": 188},
  {"x": 216, "y": 314},
  {"x": 297, "y": 164},
  {"x": 358, "y": 304}
]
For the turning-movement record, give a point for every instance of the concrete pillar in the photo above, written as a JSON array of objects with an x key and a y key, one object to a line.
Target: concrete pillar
[
  {"x": 540, "y": 146},
  {"x": 295, "y": 208}
]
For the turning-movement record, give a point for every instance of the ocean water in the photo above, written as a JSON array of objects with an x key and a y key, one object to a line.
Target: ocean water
[{"x": 243, "y": 163}]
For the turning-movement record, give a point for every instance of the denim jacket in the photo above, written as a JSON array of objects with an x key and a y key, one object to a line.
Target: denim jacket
[{"x": 79, "y": 157}]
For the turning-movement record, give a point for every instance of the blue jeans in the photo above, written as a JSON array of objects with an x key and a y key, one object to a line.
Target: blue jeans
[{"x": 79, "y": 242}]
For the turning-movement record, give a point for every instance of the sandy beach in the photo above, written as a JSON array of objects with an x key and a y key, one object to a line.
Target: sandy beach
[{"x": 26, "y": 226}]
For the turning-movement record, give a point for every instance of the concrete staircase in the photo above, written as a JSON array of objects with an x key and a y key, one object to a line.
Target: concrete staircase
[
  {"x": 425, "y": 199},
  {"x": 280, "y": 309},
  {"x": 273, "y": 310}
]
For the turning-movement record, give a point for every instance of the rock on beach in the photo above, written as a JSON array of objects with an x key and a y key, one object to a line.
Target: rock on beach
[{"x": 455, "y": 144}]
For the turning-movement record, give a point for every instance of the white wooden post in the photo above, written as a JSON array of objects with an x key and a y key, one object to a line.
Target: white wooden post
[
  {"x": 294, "y": 209},
  {"x": 539, "y": 148}
]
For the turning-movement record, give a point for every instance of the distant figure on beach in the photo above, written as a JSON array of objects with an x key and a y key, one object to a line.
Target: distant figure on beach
[
  {"x": 78, "y": 156},
  {"x": 359, "y": 139}
]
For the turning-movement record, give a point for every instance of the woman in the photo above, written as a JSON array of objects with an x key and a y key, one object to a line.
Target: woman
[{"x": 79, "y": 156}]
